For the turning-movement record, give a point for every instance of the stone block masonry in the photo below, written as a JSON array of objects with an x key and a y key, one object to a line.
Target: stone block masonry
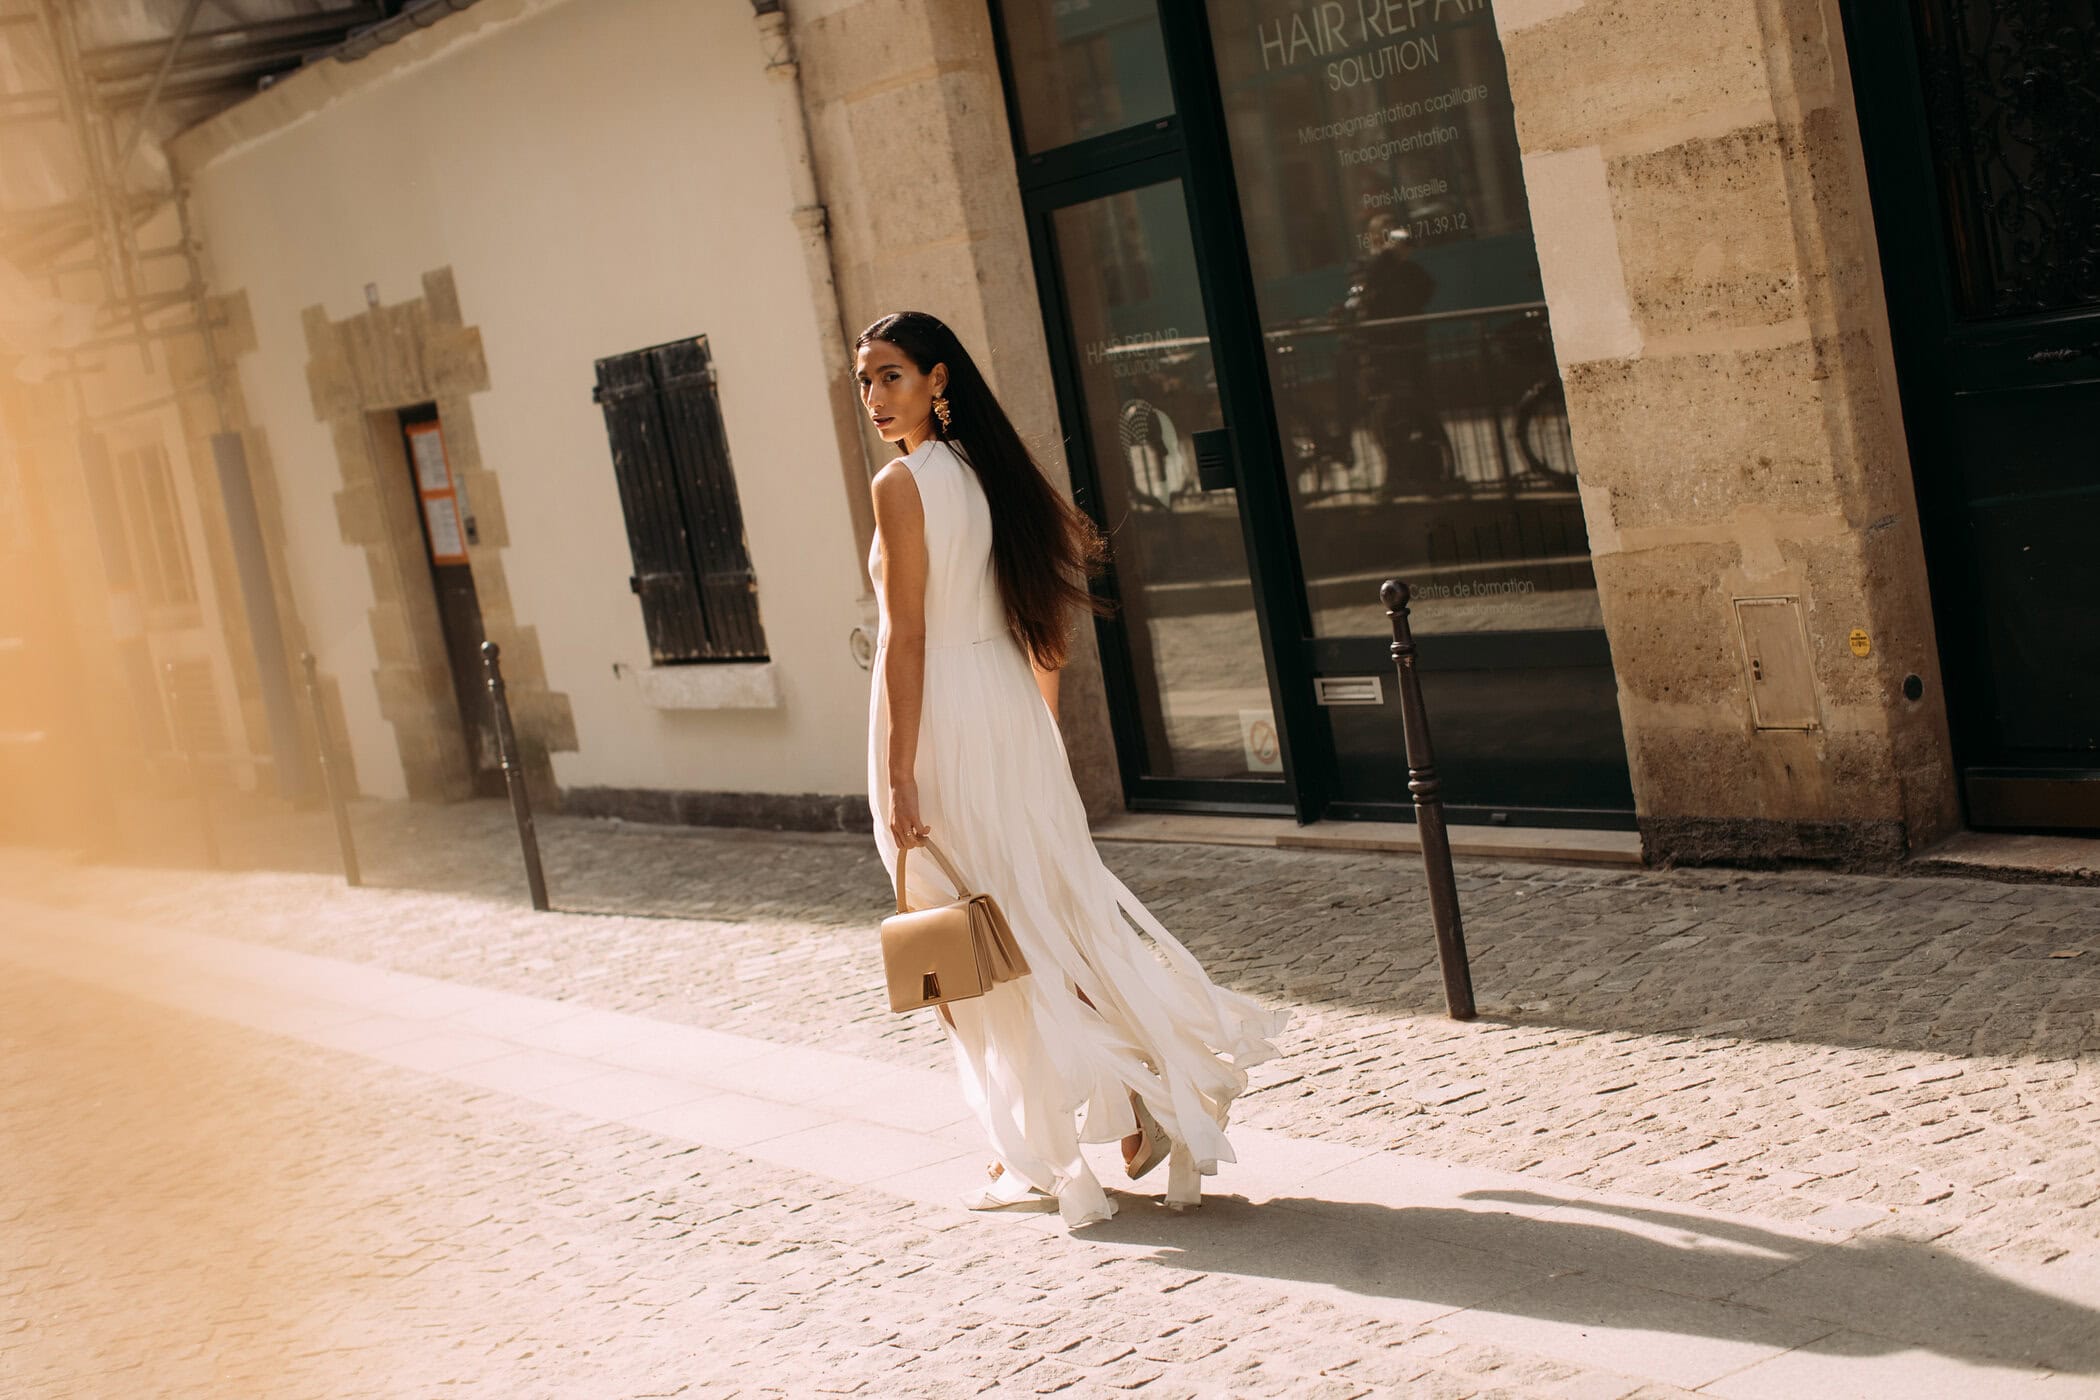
[{"x": 1704, "y": 234}]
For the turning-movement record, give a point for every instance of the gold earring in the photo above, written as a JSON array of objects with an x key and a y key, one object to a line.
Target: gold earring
[{"x": 941, "y": 411}]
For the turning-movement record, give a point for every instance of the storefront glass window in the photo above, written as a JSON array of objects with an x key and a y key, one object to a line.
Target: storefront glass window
[
  {"x": 1085, "y": 67},
  {"x": 1421, "y": 413}
]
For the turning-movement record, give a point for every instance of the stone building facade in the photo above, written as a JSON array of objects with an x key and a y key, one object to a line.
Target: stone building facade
[{"x": 1571, "y": 314}]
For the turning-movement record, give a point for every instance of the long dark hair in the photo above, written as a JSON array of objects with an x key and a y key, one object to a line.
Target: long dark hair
[{"x": 1044, "y": 548}]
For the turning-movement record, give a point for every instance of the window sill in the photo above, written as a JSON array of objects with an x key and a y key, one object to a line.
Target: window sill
[{"x": 736, "y": 686}]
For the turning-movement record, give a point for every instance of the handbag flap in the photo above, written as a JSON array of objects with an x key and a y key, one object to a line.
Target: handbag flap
[
  {"x": 952, "y": 951},
  {"x": 931, "y": 955}
]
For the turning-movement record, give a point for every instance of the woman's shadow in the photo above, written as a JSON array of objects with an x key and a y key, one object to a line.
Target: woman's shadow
[{"x": 1591, "y": 1264}]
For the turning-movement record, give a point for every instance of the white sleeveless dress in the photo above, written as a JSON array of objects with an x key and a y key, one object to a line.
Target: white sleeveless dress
[{"x": 1041, "y": 1069}]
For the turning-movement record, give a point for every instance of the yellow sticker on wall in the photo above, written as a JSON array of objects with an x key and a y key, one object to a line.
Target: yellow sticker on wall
[{"x": 1860, "y": 645}]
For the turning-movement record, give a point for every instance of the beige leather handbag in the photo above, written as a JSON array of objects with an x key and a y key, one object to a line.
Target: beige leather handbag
[{"x": 948, "y": 953}]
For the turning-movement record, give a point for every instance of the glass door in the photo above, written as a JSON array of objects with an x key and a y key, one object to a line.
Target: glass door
[
  {"x": 1292, "y": 298},
  {"x": 1184, "y": 658}
]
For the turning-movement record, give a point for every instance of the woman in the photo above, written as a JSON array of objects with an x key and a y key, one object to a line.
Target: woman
[{"x": 978, "y": 564}]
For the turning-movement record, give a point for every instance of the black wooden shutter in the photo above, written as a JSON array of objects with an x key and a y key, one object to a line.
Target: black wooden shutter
[
  {"x": 685, "y": 528},
  {"x": 656, "y": 534},
  {"x": 685, "y": 375}
]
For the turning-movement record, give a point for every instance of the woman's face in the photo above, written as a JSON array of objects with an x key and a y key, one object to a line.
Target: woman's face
[{"x": 897, "y": 393}]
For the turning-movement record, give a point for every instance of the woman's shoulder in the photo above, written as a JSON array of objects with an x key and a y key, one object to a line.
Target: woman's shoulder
[
  {"x": 934, "y": 466},
  {"x": 930, "y": 451},
  {"x": 911, "y": 463},
  {"x": 915, "y": 481},
  {"x": 895, "y": 490}
]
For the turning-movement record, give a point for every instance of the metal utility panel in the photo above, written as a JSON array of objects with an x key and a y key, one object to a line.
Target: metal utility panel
[
  {"x": 1349, "y": 690},
  {"x": 1777, "y": 662}
]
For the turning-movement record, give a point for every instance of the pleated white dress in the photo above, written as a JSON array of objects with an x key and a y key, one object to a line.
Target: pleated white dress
[{"x": 1042, "y": 1070}]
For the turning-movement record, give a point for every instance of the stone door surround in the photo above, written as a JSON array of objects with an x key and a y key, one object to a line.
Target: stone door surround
[{"x": 361, "y": 372}]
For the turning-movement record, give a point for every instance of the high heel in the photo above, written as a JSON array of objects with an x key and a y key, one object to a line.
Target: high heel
[
  {"x": 1153, "y": 1142},
  {"x": 1184, "y": 1182}
]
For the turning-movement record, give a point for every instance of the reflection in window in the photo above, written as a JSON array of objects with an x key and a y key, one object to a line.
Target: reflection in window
[
  {"x": 1084, "y": 67},
  {"x": 1125, "y": 263},
  {"x": 1148, "y": 384},
  {"x": 1420, "y": 408}
]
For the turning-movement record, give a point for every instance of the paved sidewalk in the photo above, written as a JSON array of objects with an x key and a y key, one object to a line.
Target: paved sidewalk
[
  {"x": 259, "y": 1171},
  {"x": 1783, "y": 1044}
]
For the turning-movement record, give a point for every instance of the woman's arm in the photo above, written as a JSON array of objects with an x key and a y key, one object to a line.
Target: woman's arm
[
  {"x": 900, "y": 526},
  {"x": 1046, "y": 681}
]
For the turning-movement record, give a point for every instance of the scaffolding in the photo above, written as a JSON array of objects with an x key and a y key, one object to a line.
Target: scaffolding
[
  {"x": 99, "y": 105},
  {"x": 75, "y": 120}
]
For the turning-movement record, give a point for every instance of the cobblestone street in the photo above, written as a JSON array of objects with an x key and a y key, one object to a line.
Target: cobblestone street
[{"x": 1745, "y": 1134}]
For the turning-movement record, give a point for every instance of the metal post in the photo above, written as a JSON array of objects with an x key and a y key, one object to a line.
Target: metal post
[
  {"x": 113, "y": 234},
  {"x": 189, "y": 763},
  {"x": 344, "y": 842},
  {"x": 1428, "y": 791},
  {"x": 160, "y": 79},
  {"x": 514, "y": 774}
]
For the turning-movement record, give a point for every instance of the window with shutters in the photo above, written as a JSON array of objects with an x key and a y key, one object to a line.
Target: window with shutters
[
  {"x": 685, "y": 529},
  {"x": 160, "y": 556}
]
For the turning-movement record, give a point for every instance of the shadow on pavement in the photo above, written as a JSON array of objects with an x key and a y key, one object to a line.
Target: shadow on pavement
[
  {"x": 470, "y": 849},
  {"x": 1592, "y": 1265}
]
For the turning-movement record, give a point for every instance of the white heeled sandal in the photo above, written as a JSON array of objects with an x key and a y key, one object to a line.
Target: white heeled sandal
[
  {"x": 1184, "y": 1182},
  {"x": 1154, "y": 1145},
  {"x": 1003, "y": 1190}
]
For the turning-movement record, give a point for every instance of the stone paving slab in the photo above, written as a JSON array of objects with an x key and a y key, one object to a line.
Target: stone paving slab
[
  {"x": 2005, "y": 855},
  {"x": 1578, "y": 1289},
  {"x": 1616, "y": 848}
]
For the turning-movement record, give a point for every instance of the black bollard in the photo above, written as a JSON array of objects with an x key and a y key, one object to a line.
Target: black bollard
[
  {"x": 1428, "y": 792},
  {"x": 343, "y": 840},
  {"x": 189, "y": 763},
  {"x": 514, "y": 775}
]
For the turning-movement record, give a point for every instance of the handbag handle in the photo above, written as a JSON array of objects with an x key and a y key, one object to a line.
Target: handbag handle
[{"x": 962, "y": 890}]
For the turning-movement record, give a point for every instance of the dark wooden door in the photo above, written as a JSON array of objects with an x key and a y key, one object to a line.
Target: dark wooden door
[
  {"x": 446, "y": 530},
  {"x": 1981, "y": 120}
]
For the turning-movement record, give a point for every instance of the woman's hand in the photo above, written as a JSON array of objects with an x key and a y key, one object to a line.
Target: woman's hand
[{"x": 905, "y": 827}]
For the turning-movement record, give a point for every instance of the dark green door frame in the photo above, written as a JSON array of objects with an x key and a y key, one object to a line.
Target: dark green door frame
[
  {"x": 1243, "y": 369},
  {"x": 1158, "y": 159},
  {"x": 1190, "y": 147},
  {"x": 1961, "y": 371}
]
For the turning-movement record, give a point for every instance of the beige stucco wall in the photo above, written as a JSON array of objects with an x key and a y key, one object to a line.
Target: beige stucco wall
[
  {"x": 598, "y": 176},
  {"x": 1708, "y": 252}
]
